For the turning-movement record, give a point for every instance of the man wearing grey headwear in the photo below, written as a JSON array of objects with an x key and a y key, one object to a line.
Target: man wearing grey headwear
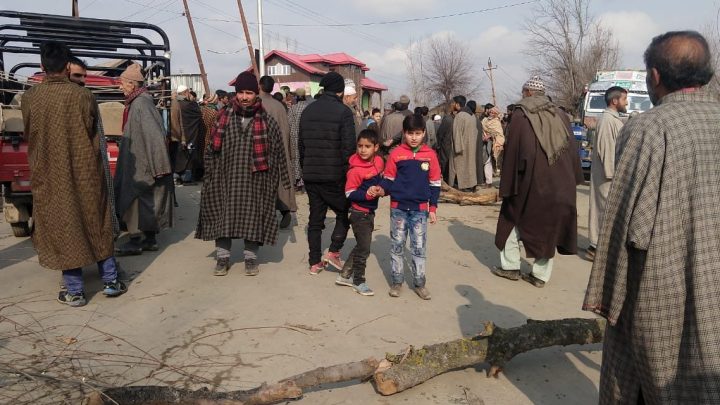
[{"x": 541, "y": 169}]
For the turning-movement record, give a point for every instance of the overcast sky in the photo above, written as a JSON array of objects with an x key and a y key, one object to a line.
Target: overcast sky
[{"x": 495, "y": 33}]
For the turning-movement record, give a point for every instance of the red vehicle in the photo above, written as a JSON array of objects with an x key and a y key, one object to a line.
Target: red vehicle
[{"x": 111, "y": 45}]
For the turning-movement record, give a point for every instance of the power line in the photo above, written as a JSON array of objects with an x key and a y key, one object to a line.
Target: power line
[{"x": 365, "y": 24}]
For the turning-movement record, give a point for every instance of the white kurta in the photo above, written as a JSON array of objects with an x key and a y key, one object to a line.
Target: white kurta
[{"x": 602, "y": 169}]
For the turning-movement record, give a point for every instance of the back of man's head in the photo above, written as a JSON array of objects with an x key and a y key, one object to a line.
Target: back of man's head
[
  {"x": 682, "y": 59},
  {"x": 614, "y": 93},
  {"x": 54, "y": 57},
  {"x": 471, "y": 105},
  {"x": 461, "y": 100},
  {"x": 266, "y": 84}
]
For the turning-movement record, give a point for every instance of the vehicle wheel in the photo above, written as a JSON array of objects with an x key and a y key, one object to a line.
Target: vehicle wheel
[{"x": 20, "y": 229}]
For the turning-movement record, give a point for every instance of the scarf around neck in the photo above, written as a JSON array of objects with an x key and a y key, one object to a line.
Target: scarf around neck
[
  {"x": 128, "y": 100},
  {"x": 549, "y": 128},
  {"x": 258, "y": 131}
]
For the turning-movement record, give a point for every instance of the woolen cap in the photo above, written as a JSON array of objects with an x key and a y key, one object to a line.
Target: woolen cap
[
  {"x": 404, "y": 99},
  {"x": 349, "y": 91},
  {"x": 534, "y": 83},
  {"x": 181, "y": 89},
  {"x": 333, "y": 82},
  {"x": 247, "y": 81},
  {"x": 134, "y": 73},
  {"x": 300, "y": 92}
]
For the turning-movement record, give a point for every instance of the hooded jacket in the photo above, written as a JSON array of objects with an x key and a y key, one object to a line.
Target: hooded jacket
[{"x": 361, "y": 176}]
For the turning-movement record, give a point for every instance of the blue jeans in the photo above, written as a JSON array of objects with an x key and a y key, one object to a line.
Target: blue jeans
[
  {"x": 74, "y": 281},
  {"x": 403, "y": 223}
]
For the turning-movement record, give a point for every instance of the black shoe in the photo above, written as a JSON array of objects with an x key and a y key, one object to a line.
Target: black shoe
[
  {"x": 74, "y": 300},
  {"x": 513, "y": 275},
  {"x": 286, "y": 220},
  {"x": 150, "y": 245},
  {"x": 251, "y": 267},
  {"x": 533, "y": 280},
  {"x": 133, "y": 247},
  {"x": 222, "y": 266},
  {"x": 114, "y": 289}
]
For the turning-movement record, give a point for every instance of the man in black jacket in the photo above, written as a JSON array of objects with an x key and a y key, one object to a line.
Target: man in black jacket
[{"x": 326, "y": 141}]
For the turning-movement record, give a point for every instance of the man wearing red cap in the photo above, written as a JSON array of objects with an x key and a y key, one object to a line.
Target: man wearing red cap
[{"x": 244, "y": 166}]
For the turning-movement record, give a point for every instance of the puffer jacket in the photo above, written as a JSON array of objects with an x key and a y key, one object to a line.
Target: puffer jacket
[{"x": 326, "y": 139}]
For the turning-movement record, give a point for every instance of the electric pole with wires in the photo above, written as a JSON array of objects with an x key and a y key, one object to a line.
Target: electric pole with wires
[{"x": 490, "y": 69}]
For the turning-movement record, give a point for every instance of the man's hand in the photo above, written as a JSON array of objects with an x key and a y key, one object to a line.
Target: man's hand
[{"x": 433, "y": 217}]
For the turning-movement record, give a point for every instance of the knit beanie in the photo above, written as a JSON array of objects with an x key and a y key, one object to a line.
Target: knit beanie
[
  {"x": 133, "y": 72},
  {"x": 333, "y": 82},
  {"x": 247, "y": 81},
  {"x": 534, "y": 83}
]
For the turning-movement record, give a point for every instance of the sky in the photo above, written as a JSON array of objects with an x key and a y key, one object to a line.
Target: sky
[{"x": 496, "y": 33}]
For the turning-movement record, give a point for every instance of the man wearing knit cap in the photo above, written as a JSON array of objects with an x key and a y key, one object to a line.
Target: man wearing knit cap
[
  {"x": 143, "y": 178},
  {"x": 245, "y": 165},
  {"x": 541, "y": 169},
  {"x": 391, "y": 125},
  {"x": 350, "y": 99},
  {"x": 326, "y": 142}
]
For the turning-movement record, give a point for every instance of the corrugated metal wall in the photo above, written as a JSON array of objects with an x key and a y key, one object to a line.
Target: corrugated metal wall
[{"x": 191, "y": 80}]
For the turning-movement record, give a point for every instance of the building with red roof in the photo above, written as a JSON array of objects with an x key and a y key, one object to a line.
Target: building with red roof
[{"x": 305, "y": 71}]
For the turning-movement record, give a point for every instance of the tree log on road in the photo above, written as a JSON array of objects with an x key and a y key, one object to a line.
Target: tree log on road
[
  {"x": 451, "y": 195},
  {"x": 495, "y": 346}
]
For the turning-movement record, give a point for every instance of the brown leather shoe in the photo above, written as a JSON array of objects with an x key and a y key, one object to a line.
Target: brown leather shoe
[
  {"x": 513, "y": 275},
  {"x": 533, "y": 280},
  {"x": 423, "y": 293},
  {"x": 395, "y": 290}
]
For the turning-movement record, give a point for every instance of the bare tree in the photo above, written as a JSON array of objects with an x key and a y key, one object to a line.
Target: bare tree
[
  {"x": 446, "y": 69},
  {"x": 568, "y": 46}
]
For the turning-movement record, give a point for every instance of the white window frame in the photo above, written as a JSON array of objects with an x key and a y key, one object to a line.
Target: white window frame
[{"x": 280, "y": 70}]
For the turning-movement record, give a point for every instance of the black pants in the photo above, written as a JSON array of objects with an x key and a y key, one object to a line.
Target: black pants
[
  {"x": 362, "y": 224},
  {"x": 323, "y": 196}
]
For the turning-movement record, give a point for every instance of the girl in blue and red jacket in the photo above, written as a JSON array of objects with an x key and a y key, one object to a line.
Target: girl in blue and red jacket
[
  {"x": 412, "y": 179},
  {"x": 361, "y": 188}
]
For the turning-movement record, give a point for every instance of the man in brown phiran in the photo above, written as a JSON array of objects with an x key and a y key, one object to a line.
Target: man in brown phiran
[
  {"x": 71, "y": 212},
  {"x": 143, "y": 178},
  {"x": 541, "y": 170},
  {"x": 655, "y": 276},
  {"x": 245, "y": 165}
]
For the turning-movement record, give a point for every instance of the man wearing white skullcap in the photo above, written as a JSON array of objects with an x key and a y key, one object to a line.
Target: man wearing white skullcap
[
  {"x": 350, "y": 99},
  {"x": 541, "y": 169}
]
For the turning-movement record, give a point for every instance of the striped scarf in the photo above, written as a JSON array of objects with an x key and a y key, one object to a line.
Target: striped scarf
[{"x": 259, "y": 131}]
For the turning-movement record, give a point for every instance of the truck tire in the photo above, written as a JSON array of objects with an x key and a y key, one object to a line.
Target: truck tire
[{"x": 20, "y": 229}]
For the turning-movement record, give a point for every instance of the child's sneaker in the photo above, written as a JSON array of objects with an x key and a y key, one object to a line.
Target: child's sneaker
[
  {"x": 395, "y": 290},
  {"x": 346, "y": 281},
  {"x": 363, "y": 289},
  {"x": 423, "y": 293},
  {"x": 333, "y": 259},
  {"x": 114, "y": 289},
  {"x": 74, "y": 300},
  {"x": 317, "y": 268}
]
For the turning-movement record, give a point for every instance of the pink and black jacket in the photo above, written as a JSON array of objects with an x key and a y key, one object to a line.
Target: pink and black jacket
[
  {"x": 412, "y": 178},
  {"x": 360, "y": 177}
]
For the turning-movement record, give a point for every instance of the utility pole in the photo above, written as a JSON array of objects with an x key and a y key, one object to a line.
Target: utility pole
[
  {"x": 75, "y": 9},
  {"x": 203, "y": 75},
  {"x": 251, "y": 50},
  {"x": 260, "y": 39},
  {"x": 490, "y": 69}
]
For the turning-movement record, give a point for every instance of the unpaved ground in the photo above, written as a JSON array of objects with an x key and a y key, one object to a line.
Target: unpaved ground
[{"x": 238, "y": 331}]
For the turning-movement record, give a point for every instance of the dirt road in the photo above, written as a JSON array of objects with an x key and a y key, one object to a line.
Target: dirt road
[{"x": 233, "y": 332}]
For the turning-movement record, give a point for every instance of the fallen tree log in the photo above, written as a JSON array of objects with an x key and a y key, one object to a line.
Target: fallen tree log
[
  {"x": 451, "y": 195},
  {"x": 396, "y": 373},
  {"x": 495, "y": 346}
]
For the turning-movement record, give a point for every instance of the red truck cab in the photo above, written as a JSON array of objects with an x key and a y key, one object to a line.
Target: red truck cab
[{"x": 112, "y": 45}]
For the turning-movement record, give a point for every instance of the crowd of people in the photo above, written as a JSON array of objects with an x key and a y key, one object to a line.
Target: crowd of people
[{"x": 653, "y": 231}]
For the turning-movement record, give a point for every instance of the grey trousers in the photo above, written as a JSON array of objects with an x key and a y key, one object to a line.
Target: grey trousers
[{"x": 224, "y": 245}]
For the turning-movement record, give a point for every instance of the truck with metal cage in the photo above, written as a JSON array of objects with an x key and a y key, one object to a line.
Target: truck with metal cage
[{"x": 107, "y": 47}]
